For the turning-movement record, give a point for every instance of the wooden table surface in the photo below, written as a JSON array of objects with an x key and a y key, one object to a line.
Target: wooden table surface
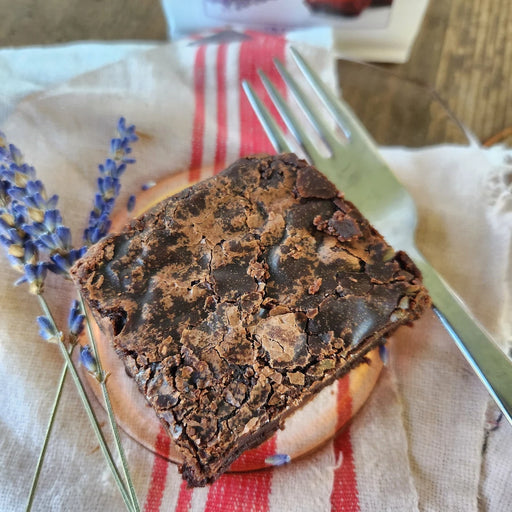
[{"x": 464, "y": 52}]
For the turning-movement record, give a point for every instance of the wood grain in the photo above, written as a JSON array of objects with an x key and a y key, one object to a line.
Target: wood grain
[
  {"x": 28, "y": 22},
  {"x": 464, "y": 52}
]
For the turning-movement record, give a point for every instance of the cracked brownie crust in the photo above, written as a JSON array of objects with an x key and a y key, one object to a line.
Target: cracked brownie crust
[{"x": 234, "y": 301}]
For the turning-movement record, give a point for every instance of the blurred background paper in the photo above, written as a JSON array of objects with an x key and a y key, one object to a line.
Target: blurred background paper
[{"x": 371, "y": 30}]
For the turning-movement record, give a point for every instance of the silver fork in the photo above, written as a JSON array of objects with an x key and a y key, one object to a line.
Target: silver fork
[{"x": 357, "y": 169}]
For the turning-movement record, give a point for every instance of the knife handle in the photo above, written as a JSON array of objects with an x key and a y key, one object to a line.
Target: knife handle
[{"x": 491, "y": 364}]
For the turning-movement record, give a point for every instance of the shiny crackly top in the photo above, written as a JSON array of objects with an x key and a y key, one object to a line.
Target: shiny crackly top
[{"x": 235, "y": 300}]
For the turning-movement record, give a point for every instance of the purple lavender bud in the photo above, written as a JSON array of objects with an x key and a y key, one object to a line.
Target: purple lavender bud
[
  {"x": 15, "y": 154},
  {"x": 61, "y": 263},
  {"x": 4, "y": 196},
  {"x": 63, "y": 237},
  {"x": 32, "y": 202},
  {"x": 47, "y": 329},
  {"x": 130, "y": 205},
  {"x": 127, "y": 132},
  {"x": 109, "y": 187},
  {"x": 279, "y": 459},
  {"x": 97, "y": 207},
  {"x": 52, "y": 219},
  {"x": 384, "y": 354},
  {"x": 88, "y": 360},
  {"x": 115, "y": 145},
  {"x": 35, "y": 272},
  {"x": 148, "y": 185},
  {"x": 31, "y": 253},
  {"x": 46, "y": 242},
  {"x": 19, "y": 212},
  {"x": 91, "y": 235},
  {"x": 17, "y": 193},
  {"x": 34, "y": 275},
  {"x": 75, "y": 319},
  {"x": 27, "y": 172},
  {"x": 14, "y": 237},
  {"x": 34, "y": 230},
  {"x": 4, "y": 228},
  {"x": 34, "y": 187},
  {"x": 5, "y": 241},
  {"x": 110, "y": 166},
  {"x": 122, "y": 167}
]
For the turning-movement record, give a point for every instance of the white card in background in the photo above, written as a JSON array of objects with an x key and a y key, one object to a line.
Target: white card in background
[{"x": 367, "y": 30}]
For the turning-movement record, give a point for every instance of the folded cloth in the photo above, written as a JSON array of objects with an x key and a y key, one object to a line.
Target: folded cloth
[
  {"x": 427, "y": 439},
  {"x": 28, "y": 70}
]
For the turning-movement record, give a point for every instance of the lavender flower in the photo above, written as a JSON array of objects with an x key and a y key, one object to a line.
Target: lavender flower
[
  {"x": 61, "y": 263},
  {"x": 108, "y": 183},
  {"x": 279, "y": 459},
  {"x": 384, "y": 354},
  {"x": 130, "y": 205},
  {"x": 75, "y": 320},
  {"x": 30, "y": 223},
  {"x": 36, "y": 241},
  {"x": 34, "y": 275},
  {"x": 20, "y": 249},
  {"x": 148, "y": 185},
  {"x": 47, "y": 329},
  {"x": 22, "y": 252},
  {"x": 88, "y": 360}
]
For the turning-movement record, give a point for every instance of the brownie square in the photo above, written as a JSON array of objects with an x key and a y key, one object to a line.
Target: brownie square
[{"x": 233, "y": 302}]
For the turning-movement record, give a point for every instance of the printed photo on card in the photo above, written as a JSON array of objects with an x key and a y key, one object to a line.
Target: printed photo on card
[{"x": 301, "y": 13}]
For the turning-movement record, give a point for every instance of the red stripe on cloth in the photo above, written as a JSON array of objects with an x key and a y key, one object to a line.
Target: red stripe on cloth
[
  {"x": 199, "y": 105},
  {"x": 222, "y": 115},
  {"x": 249, "y": 492},
  {"x": 184, "y": 498},
  {"x": 344, "y": 496},
  {"x": 255, "y": 458},
  {"x": 254, "y": 56},
  {"x": 159, "y": 473},
  {"x": 242, "y": 492}
]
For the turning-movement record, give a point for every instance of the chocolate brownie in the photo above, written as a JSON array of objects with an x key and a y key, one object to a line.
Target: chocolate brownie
[{"x": 233, "y": 302}]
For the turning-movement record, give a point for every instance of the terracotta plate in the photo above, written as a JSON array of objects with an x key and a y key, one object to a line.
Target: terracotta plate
[{"x": 304, "y": 431}]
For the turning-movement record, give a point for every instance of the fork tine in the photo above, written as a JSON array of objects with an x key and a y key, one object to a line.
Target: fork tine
[
  {"x": 270, "y": 126},
  {"x": 339, "y": 109},
  {"x": 290, "y": 119},
  {"x": 321, "y": 127}
]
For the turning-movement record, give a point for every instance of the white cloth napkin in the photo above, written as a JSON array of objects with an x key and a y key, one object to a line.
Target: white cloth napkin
[
  {"x": 428, "y": 437},
  {"x": 32, "y": 69}
]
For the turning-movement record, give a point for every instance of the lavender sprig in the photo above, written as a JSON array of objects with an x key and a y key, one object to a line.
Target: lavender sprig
[
  {"x": 30, "y": 223},
  {"x": 89, "y": 411},
  {"x": 36, "y": 241},
  {"x": 109, "y": 185},
  {"x": 91, "y": 360}
]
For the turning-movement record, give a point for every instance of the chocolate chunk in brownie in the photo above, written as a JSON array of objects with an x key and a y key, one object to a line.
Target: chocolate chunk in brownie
[{"x": 234, "y": 301}]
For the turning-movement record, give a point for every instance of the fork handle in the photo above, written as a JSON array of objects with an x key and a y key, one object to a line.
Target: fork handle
[{"x": 490, "y": 363}]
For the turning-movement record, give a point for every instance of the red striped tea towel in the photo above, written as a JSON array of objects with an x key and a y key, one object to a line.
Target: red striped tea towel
[{"x": 417, "y": 443}]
